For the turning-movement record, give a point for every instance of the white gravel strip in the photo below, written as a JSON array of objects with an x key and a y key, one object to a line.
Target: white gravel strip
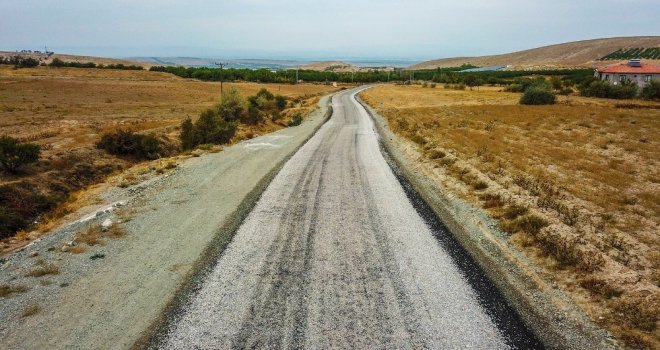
[{"x": 334, "y": 255}]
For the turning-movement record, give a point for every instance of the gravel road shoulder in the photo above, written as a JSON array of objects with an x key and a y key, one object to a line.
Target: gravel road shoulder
[
  {"x": 549, "y": 312},
  {"x": 108, "y": 296}
]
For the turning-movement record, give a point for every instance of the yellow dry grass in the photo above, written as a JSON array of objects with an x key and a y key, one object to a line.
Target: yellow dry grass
[
  {"x": 588, "y": 170},
  {"x": 69, "y": 107},
  {"x": 66, "y": 110}
]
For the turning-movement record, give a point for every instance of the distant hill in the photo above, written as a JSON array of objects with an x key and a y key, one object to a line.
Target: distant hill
[
  {"x": 574, "y": 54},
  {"x": 75, "y": 58},
  {"x": 331, "y": 66}
]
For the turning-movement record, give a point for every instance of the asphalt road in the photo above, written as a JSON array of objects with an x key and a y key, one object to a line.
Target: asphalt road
[{"x": 336, "y": 255}]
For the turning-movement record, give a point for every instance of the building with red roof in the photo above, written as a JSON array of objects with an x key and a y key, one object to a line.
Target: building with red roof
[{"x": 635, "y": 71}]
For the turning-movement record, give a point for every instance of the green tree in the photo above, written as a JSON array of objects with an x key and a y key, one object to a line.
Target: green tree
[
  {"x": 187, "y": 134},
  {"x": 14, "y": 154},
  {"x": 471, "y": 81},
  {"x": 652, "y": 90}
]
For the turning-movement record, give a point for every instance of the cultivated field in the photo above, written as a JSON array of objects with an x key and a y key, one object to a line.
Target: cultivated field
[
  {"x": 577, "y": 186},
  {"x": 65, "y": 110}
]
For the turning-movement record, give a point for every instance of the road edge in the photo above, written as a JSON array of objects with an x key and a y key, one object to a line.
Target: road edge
[
  {"x": 549, "y": 313},
  {"x": 223, "y": 236}
]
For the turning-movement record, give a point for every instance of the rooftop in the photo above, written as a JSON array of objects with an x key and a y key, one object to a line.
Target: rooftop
[{"x": 633, "y": 67}]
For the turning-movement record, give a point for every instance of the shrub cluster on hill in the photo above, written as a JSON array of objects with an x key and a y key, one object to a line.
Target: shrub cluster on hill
[
  {"x": 19, "y": 61},
  {"x": 14, "y": 154},
  {"x": 219, "y": 124},
  {"x": 129, "y": 143},
  {"x": 537, "y": 95},
  {"x": 535, "y": 91},
  {"x": 56, "y": 62}
]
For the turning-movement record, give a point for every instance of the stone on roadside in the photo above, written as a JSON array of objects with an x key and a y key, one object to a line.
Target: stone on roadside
[{"x": 105, "y": 226}]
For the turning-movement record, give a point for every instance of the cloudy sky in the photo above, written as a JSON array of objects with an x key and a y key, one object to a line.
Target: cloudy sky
[{"x": 406, "y": 29}]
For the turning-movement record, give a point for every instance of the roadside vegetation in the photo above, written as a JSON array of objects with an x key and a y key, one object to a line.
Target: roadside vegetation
[
  {"x": 69, "y": 134},
  {"x": 574, "y": 185},
  {"x": 449, "y": 75},
  {"x": 217, "y": 125},
  {"x": 56, "y": 62}
]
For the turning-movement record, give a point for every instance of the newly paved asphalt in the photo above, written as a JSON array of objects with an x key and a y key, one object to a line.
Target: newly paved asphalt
[{"x": 335, "y": 255}]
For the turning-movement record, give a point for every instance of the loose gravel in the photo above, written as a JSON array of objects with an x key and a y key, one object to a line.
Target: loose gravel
[
  {"x": 108, "y": 296},
  {"x": 335, "y": 255}
]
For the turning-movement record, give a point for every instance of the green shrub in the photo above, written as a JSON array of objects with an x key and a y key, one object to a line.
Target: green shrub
[
  {"x": 14, "y": 154},
  {"x": 232, "y": 105},
  {"x": 20, "y": 204},
  {"x": 604, "y": 89},
  {"x": 280, "y": 101},
  {"x": 296, "y": 120},
  {"x": 537, "y": 95},
  {"x": 210, "y": 128},
  {"x": 128, "y": 143},
  {"x": 10, "y": 222},
  {"x": 214, "y": 129},
  {"x": 652, "y": 90}
]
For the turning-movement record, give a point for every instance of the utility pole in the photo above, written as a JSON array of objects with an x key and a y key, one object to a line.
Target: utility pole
[
  {"x": 221, "y": 64},
  {"x": 297, "y": 76},
  {"x": 352, "y": 76}
]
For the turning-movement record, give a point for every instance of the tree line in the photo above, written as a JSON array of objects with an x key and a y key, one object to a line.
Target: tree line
[
  {"x": 60, "y": 63},
  {"x": 451, "y": 75}
]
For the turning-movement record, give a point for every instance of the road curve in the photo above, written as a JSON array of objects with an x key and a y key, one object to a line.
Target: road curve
[{"x": 335, "y": 255}]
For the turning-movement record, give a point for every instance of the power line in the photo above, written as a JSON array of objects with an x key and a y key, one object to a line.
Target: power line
[{"x": 221, "y": 64}]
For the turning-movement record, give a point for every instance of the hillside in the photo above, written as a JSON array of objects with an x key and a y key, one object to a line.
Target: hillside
[
  {"x": 75, "y": 58},
  {"x": 332, "y": 66},
  {"x": 574, "y": 54}
]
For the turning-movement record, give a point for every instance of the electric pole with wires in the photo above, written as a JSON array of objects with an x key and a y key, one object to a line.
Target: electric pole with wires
[{"x": 221, "y": 64}]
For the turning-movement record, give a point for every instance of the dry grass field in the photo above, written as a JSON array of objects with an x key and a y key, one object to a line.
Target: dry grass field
[
  {"x": 66, "y": 110},
  {"x": 576, "y": 185}
]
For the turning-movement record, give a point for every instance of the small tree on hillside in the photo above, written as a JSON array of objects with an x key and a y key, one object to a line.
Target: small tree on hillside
[
  {"x": 14, "y": 154},
  {"x": 232, "y": 105}
]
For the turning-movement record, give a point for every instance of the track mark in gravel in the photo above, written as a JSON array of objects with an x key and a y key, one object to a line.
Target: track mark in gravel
[{"x": 335, "y": 255}]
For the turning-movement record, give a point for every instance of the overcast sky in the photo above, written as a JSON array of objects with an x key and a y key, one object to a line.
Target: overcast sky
[{"x": 414, "y": 29}]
